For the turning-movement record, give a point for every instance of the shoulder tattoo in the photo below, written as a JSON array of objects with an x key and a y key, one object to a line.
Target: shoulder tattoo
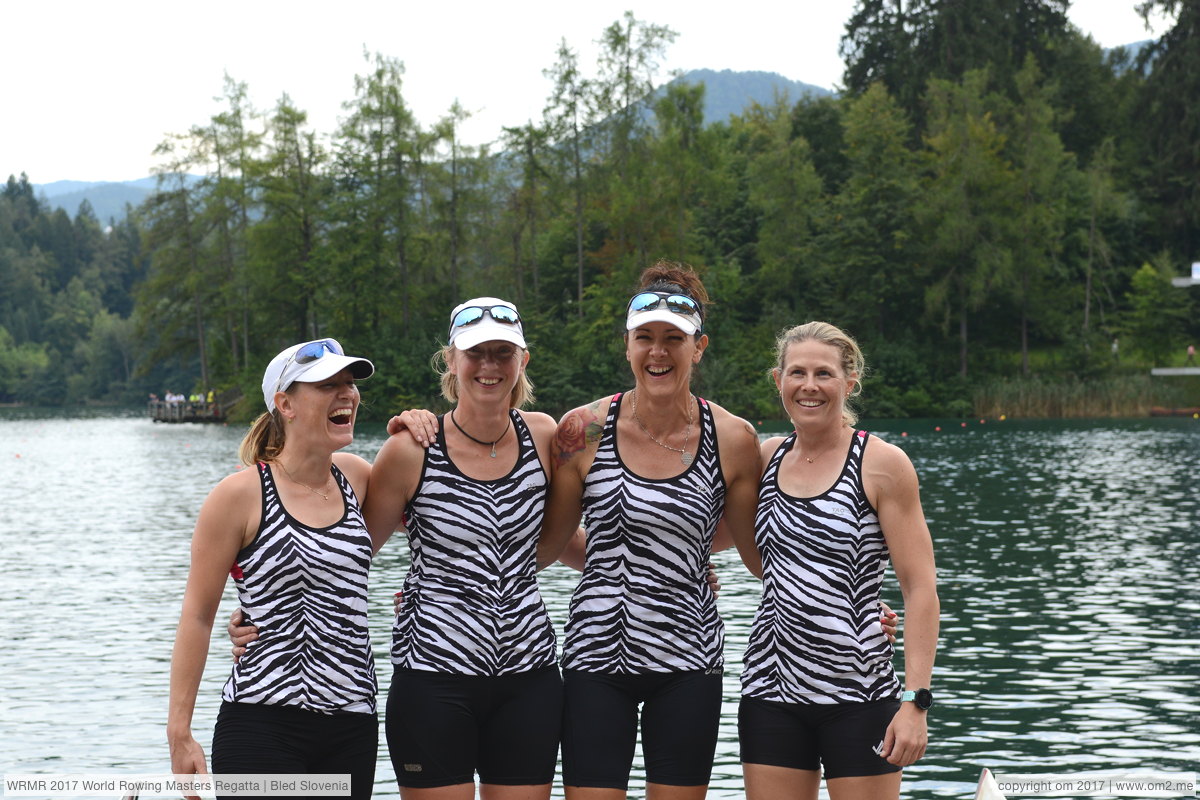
[{"x": 578, "y": 431}]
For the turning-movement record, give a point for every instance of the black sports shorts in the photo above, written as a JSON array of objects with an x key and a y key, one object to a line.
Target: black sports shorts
[
  {"x": 841, "y": 738},
  {"x": 443, "y": 728},
  {"x": 680, "y": 716},
  {"x": 252, "y": 738}
]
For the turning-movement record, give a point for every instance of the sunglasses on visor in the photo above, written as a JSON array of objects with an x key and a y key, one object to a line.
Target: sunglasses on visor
[
  {"x": 473, "y": 314},
  {"x": 676, "y": 303},
  {"x": 308, "y": 354}
]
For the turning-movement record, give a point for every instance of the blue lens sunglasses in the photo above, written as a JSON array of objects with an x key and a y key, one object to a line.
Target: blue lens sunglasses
[
  {"x": 473, "y": 314},
  {"x": 308, "y": 354},
  {"x": 676, "y": 303}
]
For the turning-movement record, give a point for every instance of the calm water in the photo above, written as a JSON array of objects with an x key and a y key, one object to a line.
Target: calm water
[{"x": 1068, "y": 555}]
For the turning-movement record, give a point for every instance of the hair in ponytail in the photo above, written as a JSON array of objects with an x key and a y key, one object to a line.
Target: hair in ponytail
[{"x": 264, "y": 440}]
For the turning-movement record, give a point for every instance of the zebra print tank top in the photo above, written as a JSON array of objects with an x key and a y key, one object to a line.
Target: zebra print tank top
[
  {"x": 816, "y": 637},
  {"x": 643, "y": 604},
  {"x": 471, "y": 601},
  {"x": 306, "y": 590}
]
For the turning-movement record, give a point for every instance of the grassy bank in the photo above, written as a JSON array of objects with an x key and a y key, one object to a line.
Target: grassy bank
[{"x": 1115, "y": 396}]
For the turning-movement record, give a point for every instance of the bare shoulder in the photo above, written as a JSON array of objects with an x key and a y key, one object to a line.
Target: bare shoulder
[
  {"x": 356, "y": 469},
  {"x": 236, "y": 487},
  {"x": 539, "y": 424},
  {"x": 733, "y": 430},
  {"x": 580, "y": 428},
  {"x": 400, "y": 455},
  {"x": 400, "y": 446},
  {"x": 231, "y": 508},
  {"x": 887, "y": 467},
  {"x": 769, "y": 446}
]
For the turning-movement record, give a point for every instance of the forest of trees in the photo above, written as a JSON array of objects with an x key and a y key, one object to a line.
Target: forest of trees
[{"x": 990, "y": 200}]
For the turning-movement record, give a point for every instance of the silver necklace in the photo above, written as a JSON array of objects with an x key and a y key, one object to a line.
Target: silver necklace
[
  {"x": 684, "y": 455},
  {"x": 480, "y": 441},
  {"x": 322, "y": 495}
]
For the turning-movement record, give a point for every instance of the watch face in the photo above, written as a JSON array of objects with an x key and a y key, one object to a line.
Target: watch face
[{"x": 924, "y": 699}]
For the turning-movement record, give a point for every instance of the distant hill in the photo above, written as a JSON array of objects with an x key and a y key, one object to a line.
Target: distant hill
[
  {"x": 728, "y": 93},
  {"x": 108, "y": 199}
]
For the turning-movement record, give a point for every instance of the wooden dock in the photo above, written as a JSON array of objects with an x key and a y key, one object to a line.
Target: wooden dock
[{"x": 187, "y": 411}]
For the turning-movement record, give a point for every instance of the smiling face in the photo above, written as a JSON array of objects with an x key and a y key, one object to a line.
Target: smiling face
[
  {"x": 321, "y": 411},
  {"x": 487, "y": 371},
  {"x": 813, "y": 384},
  {"x": 662, "y": 356}
]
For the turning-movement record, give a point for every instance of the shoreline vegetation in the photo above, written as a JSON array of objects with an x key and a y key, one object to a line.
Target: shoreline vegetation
[
  {"x": 1123, "y": 397},
  {"x": 1013, "y": 210},
  {"x": 1068, "y": 398}
]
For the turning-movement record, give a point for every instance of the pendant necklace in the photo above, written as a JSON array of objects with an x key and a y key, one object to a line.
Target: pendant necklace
[
  {"x": 814, "y": 458},
  {"x": 480, "y": 441},
  {"x": 322, "y": 495},
  {"x": 684, "y": 455}
]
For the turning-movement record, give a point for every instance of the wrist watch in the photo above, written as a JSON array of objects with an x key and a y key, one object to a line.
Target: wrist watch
[{"x": 922, "y": 697}]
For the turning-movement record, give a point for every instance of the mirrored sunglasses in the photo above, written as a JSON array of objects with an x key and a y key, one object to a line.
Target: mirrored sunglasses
[
  {"x": 676, "y": 303},
  {"x": 470, "y": 315},
  {"x": 308, "y": 354}
]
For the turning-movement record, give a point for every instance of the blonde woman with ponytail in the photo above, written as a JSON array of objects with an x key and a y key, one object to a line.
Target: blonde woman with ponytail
[{"x": 291, "y": 534}]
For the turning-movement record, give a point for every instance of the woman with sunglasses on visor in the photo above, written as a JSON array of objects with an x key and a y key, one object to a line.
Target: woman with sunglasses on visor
[
  {"x": 652, "y": 472},
  {"x": 290, "y": 532},
  {"x": 819, "y": 693},
  {"x": 475, "y": 687}
]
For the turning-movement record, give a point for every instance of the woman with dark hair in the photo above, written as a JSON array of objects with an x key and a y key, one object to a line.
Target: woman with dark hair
[
  {"x": 289, "y": 531},
  {"x": 652, "y": 472}
]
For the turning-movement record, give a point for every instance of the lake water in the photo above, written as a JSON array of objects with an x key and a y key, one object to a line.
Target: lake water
[{"x": 1069, "y": 572}]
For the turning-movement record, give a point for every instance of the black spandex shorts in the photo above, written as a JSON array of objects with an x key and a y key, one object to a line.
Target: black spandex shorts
[
  {"x": 841, "y": 738},
  {"x": 251, "y": 738},
  {"x": 680, "y": 715},
  {"x": 442, "y": 728}
]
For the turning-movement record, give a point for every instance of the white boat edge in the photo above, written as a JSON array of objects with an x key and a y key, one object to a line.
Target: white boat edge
[{"x": 987, "y": 788}]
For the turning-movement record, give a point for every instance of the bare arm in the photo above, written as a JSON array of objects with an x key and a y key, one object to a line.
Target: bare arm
[
  {"x": 221, "y": 529},
  {"x": 394, "y": 478},
  {"x": 574, "y": 446},
  {"x": 742, "y": 467},
  {"x": 893, "y": 489}
]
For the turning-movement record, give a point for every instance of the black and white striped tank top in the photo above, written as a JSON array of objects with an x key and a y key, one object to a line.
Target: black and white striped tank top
[
  {"x": 816, "y": 637},
  {"x": 471, "y": 601},
  {"x": 644, "y": 604},
  {"x": 306, "y": 590}
]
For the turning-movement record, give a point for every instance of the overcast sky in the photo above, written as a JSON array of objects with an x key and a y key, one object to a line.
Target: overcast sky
[{"x": 89, "y": 89}]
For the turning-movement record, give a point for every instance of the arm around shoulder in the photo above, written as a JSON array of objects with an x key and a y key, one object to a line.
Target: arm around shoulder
[
  {"x": 576, "y": 438},
  {"x": 393, "y": 481},
  {"x": 742, "y": 467}
]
